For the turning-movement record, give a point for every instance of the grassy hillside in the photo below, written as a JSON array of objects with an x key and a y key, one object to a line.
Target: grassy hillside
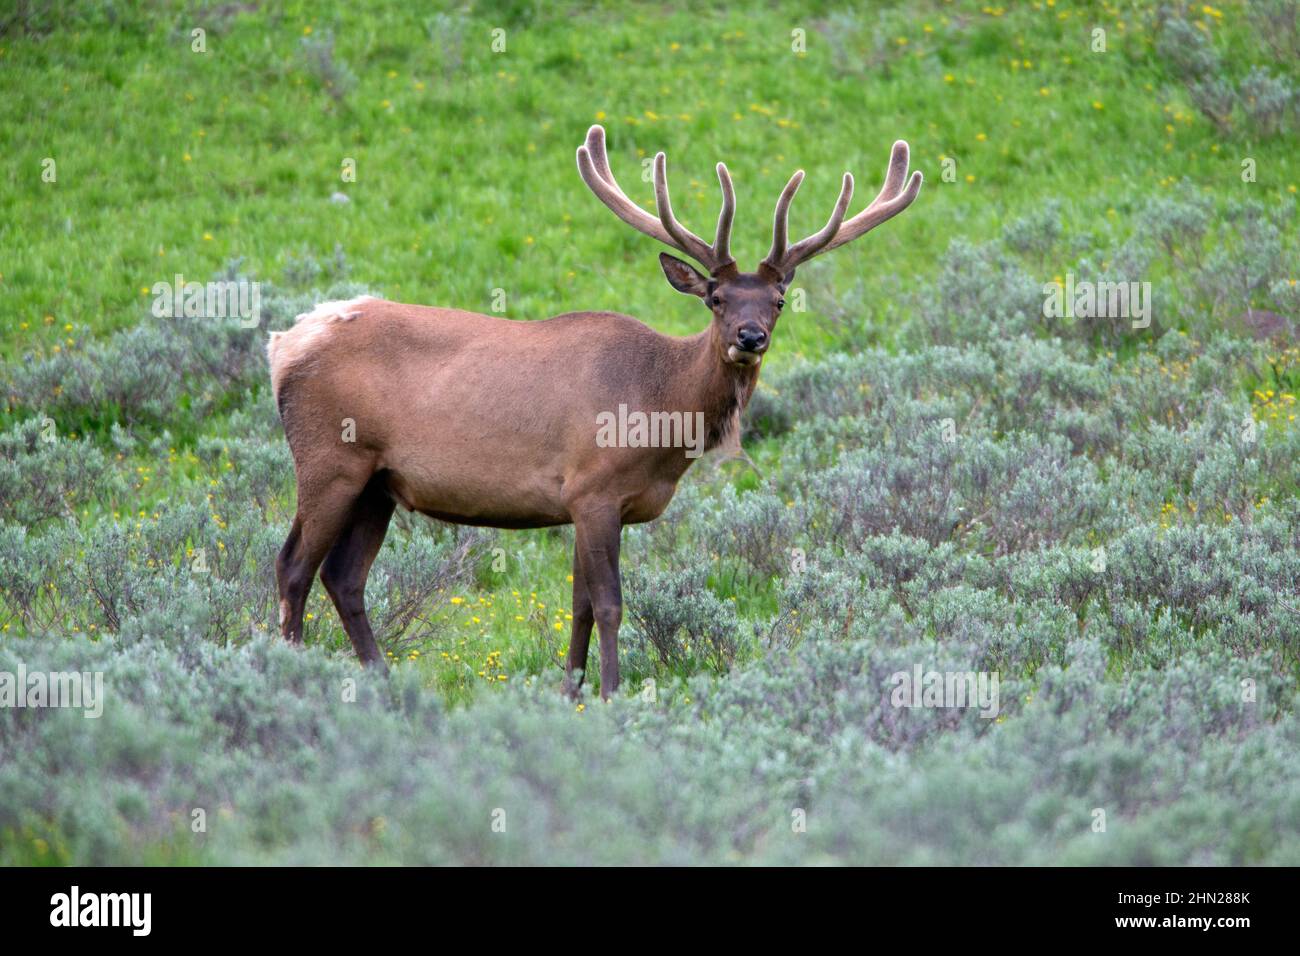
[
  {"x": 1104, "y": 515},
  {"x": 174, "y": 161}
]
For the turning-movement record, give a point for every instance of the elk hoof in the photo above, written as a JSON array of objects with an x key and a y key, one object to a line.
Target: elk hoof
[{"x": 572, "y": 688}]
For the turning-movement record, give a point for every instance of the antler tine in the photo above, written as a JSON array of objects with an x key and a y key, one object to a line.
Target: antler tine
[
  {"x": 687, "y": 241},
  {"x": 722, "y": 238},
  {"x": 889, "y": 202},
  {"x": 781, "y": 222},
  {"x": 807, "y": 248},
  {"x": 596, "y": 145},
  {"x": 895, "y": 173},
  {"x": 892, "y": 199},
  {"x": 593, "y": 167}
]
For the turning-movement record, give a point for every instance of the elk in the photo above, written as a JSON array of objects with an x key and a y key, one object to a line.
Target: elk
[{"x": 481, "y": 420}]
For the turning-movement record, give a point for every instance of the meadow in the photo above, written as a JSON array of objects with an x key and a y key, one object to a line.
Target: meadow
[{"x": 1104, "y": 512}]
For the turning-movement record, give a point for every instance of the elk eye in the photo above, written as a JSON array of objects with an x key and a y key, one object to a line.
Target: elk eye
[
  {"x": 715, "y": 301},
  {"x": 780, "y": 304}
]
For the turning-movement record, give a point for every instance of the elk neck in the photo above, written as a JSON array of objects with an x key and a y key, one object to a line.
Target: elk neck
[{"x": 718, "y": 388}]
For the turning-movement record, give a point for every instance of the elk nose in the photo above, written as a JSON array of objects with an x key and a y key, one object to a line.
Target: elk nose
[{"x": 751, "y": 339}]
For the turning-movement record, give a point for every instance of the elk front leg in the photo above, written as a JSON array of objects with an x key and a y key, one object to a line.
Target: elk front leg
[
  {"x": 580, "y": 639},
  {"x": 597, "y": 534}
]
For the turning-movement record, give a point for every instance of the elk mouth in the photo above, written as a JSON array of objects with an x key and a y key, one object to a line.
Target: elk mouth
[{"x": 738, "y": 356}]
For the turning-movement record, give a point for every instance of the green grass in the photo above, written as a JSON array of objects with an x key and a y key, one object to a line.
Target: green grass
[{"x": 172, "y": 161}]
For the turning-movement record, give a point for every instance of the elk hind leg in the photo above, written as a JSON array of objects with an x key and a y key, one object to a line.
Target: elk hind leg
[
  {"x": 322, "y": 514},
  {"x": 348, "y": 564}
]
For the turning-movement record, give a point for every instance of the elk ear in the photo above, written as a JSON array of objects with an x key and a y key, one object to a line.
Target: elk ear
[{"x": 683, "y": 277}]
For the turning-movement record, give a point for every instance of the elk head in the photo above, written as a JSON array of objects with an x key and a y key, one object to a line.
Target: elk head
[{"x": 745, "y": 305}]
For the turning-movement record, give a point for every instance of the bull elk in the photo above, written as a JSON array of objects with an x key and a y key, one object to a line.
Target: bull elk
[{"x": 480, "y": 420}]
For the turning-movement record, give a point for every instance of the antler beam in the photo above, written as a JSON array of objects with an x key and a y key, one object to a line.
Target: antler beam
[{"x": 892, "y": 199}]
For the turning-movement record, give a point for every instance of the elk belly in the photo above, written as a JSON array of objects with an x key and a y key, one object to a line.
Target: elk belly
[{"x": 522, "y": 500}]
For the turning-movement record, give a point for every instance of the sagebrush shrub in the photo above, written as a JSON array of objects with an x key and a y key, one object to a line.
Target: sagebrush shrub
[{"x": 678, "y": 619}]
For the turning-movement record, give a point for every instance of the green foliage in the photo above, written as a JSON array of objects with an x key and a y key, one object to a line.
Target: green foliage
[
  {"x": 262, "y": 739},
  {"x": 43, "y": 476},
  {"x": 677, "y": 620},
  {"x": 1266, "y": 101}
]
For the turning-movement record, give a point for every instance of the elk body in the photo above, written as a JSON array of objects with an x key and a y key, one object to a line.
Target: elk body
[{"x": 481, "y": 420}]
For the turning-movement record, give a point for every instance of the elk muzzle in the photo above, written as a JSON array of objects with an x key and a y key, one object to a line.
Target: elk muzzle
[{"x": 751, "y": 343}]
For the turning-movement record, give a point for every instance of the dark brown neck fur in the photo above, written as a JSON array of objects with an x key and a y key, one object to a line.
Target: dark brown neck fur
[{"x": 722, "y": 391}]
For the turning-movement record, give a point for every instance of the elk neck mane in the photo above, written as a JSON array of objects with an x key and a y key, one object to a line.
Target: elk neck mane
[{"x": 723, "y": 394}]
